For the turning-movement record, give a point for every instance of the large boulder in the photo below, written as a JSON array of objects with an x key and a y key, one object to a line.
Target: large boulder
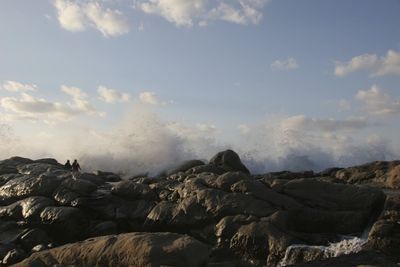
[
  {"x": 10, "y": 165},
  {"x": 28, "y": 185},
  {"x": 27, "y": 209},
  {"x": 330, "y": 207},
  {"x": 38, "y": 167},
  {"x": 132, "y": 249},
  {"x": 385, "y": 233},
  {"x": 261, "y": 242},
  {"x": 332, "y": 196},
  {"x": 82, "y": 187},
  {"x": 229, "y": 161},
  {"x": 64, "y": 224}
]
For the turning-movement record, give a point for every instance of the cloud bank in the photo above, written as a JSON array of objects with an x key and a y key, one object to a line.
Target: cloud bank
[{"x": 141, "y": 141}]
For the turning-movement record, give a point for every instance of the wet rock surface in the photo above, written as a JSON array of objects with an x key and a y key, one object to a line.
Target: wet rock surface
[{"x": 195, "y": 214}]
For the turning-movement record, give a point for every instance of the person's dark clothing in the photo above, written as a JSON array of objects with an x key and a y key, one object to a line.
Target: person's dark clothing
[
  {"x": 67, "y": 165},
  {"x": 75, "y": 166}
]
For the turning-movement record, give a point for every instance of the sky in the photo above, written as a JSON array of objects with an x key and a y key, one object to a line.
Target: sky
[{"x": 139, "y": 85}]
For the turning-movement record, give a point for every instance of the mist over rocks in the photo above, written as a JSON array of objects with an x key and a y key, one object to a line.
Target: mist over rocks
[{"x": 196, "y": 213}]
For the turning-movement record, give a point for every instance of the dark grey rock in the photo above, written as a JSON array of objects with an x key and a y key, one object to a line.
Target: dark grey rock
[
  {"x": 103, "y": 228},
  {"x": 80, "y": 186},
  {"x": 10, "y": 165},
  {"x": 26, "y": 186},
  {"x": 184, "y": 166},
  {"x": 65, "y": 224},
  {"x": 229, "y": 161},
  {"x": 34, "y": 237},
  {"x": 10, "y": 232},
  {"x": 98, "y": 180},
  {"x": 108, "y": 176},
  {"x": 132, "y": 190},
  {"x": 14, "y": 256},
  {"x": 38, "y": 168}
]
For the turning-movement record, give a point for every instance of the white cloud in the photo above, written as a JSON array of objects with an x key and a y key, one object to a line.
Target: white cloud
[
  {"x": 28, "y": 107},
  {"x": 79, "y": 100},
  {"x": 75, "y": 92},
  {"x": 71, "y": 16},
  {"x": 378, "y": 102},
  {"x": 287, "y": 64},
  {"x": 150, "y": 98},
  {"x": 376, "y": 66},
  {"x": 14, "y": 86},
  {"x": 112, "y": 96},
  {"x": 180, "y": 12},
  {"x": 228, "y": 13},
  {"x": 74, "y": 16},
  {"x": 187, "y": 13},
  {"x": 108, "y": 22},
  {"x": 28, "y": 104}
]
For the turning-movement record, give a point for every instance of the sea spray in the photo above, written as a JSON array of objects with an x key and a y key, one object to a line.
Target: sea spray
[{"x": 304, "y": 253}]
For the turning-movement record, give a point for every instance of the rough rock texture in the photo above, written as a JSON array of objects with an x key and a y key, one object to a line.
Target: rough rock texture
[
  {"x": 132, "y": 249},
  {"x": 214, "y": 214},
  {"x": 229, "y": 161},
  {"x": 385, "y": 233},
  {"x": 380, "y": 174}
]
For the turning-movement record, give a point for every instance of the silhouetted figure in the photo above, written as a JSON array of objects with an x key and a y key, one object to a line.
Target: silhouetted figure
[
  {"x": 75, "y": 166},
  {"x": 67, "y": 165}
]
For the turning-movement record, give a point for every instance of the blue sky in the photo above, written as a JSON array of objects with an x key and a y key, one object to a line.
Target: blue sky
[{"x": 276, "y": 80}]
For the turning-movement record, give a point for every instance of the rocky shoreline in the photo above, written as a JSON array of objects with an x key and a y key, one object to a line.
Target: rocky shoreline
[{"x": 199, "y": 214}]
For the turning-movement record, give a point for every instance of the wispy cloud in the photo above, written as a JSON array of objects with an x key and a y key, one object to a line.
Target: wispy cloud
[
  {"x": 286, "y": 64},
  {"x": 109, "y": 95},
  {"x": 371, "y": 63},
  {"x": 188, "y": 13},
  {"x": 14, "y": 86},
  {"x": 150, "y": 98}
]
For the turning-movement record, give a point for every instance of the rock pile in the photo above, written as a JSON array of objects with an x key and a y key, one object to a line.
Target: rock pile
[{"x": 195, "y": 214}]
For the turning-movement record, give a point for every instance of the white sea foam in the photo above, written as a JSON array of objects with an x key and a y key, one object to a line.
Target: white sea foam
[
  {"x": 347, "y": 245},
  {"x": 141, "y": 141}
]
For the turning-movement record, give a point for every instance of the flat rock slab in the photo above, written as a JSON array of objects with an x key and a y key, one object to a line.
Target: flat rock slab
[{"x": 132, "y": 249}]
